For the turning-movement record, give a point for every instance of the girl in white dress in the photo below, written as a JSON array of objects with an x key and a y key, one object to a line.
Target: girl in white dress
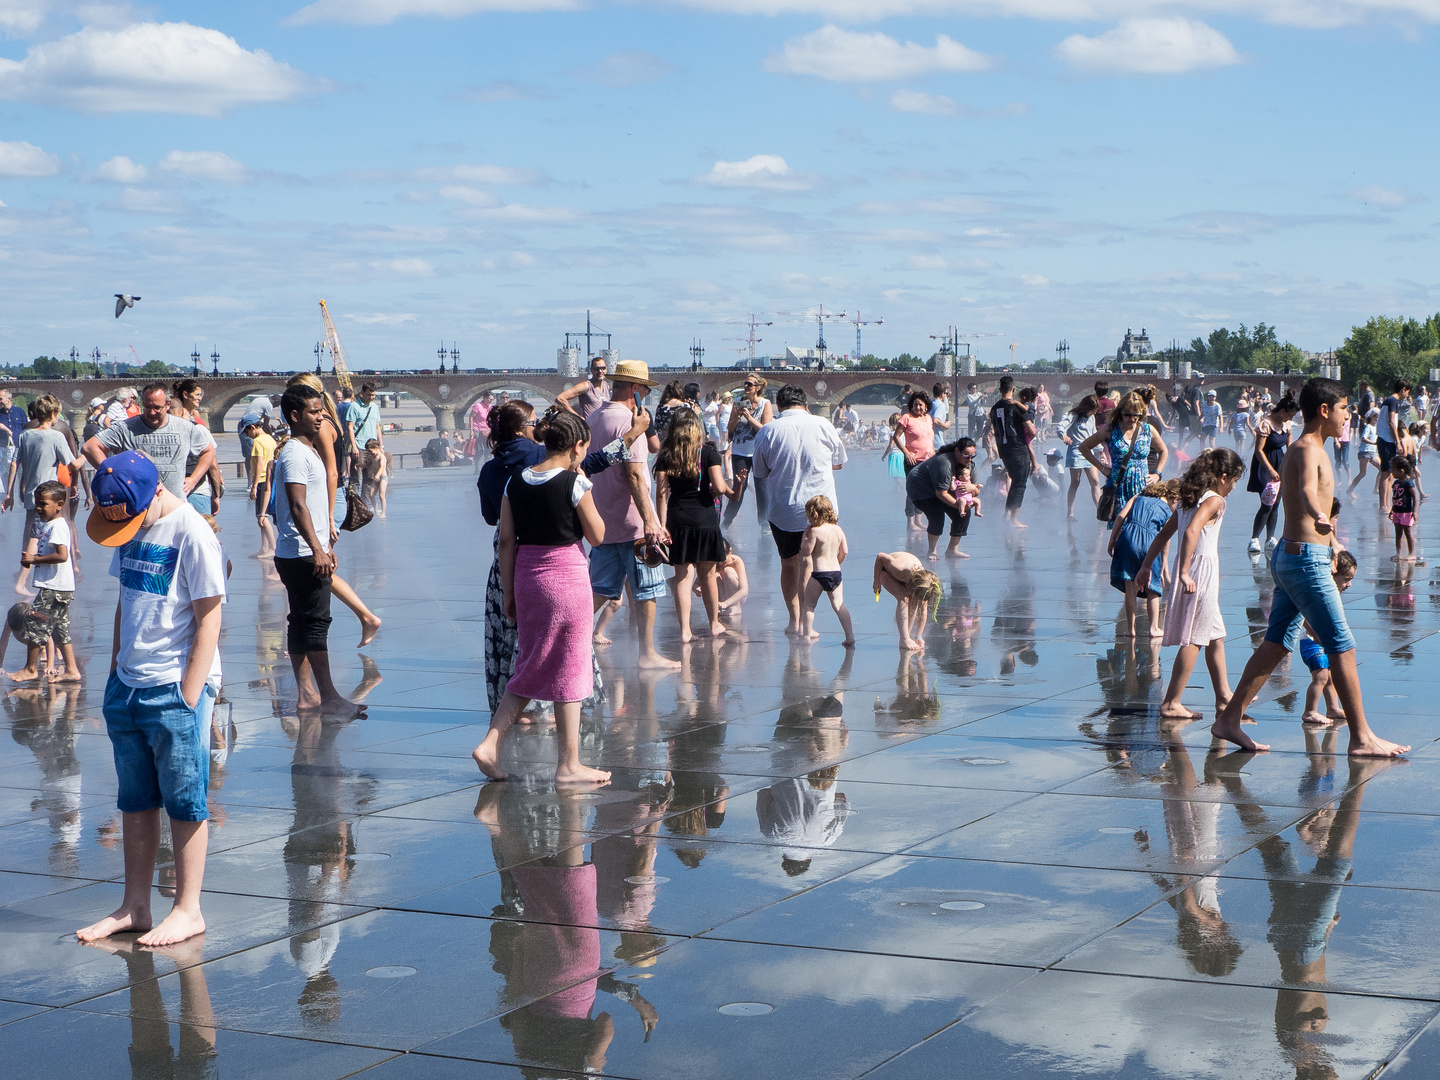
[{"x": 1192, "y": 613}]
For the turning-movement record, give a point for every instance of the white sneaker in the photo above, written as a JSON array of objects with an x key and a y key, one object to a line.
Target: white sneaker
[
  {"x": 1254, "y": 547},
  {"x": 1271, "y": 545}
]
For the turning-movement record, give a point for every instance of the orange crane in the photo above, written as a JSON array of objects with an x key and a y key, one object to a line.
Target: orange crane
[{"x": 337, "y": 354}]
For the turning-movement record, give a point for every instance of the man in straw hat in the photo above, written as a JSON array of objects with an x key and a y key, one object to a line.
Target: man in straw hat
[
  {"x": 623, "y": 498},
  {"x": 164, "y": 677}
]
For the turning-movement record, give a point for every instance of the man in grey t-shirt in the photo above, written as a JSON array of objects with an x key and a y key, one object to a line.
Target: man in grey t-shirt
[{"x": 166, "y": 440}]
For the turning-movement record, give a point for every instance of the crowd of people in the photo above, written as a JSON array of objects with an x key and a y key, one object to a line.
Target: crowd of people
[{"x": 592, "y": 499}]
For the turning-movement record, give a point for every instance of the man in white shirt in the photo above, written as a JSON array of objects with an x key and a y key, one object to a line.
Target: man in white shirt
[
  {"x": 975, "y": 411},
  {"x": 797, "y": 454},
  {"x": 303, "y": 556}
]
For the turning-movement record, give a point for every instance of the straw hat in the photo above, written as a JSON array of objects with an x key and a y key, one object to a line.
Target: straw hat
[{"x": 632, "y": 371}]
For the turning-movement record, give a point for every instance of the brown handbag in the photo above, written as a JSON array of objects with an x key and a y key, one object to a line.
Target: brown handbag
[{"x": 357, "y": 511}]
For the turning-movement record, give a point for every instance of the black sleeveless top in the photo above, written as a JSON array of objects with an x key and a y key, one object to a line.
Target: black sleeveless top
[{"x": 542, "y": 512}]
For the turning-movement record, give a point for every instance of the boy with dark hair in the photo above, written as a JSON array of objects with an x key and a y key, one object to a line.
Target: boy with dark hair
[
  {"x": 47, "y": 550},
  {"x": 1305, "y": 588},
  {"x": 1012, "y": 428},
  {"x": 164, "y": 677}
]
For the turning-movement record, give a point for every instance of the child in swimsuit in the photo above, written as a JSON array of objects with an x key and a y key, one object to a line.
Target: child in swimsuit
[
  {"x": 965, "y": 501},
  {"x": 915, "y": 589},
  {"x": 822, "y": 550}
]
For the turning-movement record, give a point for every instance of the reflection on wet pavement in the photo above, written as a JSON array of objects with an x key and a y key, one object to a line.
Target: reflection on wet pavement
[{"x": 989, "y": 859}]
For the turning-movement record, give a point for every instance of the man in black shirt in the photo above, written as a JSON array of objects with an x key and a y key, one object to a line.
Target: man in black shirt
[{"x": 1010, "y": 425}]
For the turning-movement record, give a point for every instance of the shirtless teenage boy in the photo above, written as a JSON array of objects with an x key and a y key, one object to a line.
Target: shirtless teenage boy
[{"x": 1304, "y": 587}]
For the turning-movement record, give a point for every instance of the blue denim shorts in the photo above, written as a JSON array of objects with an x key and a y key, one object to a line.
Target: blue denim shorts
[
  {"x": 1305, "y": 590},
  {"x": 611, "y": 565},
  {"x": 162, "y": 748}
]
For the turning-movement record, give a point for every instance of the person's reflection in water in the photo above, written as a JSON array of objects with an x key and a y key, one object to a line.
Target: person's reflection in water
[
  {"x": 1304, "y": 912},
  {"x": 803, "y": 816},
  {"x": 319, "y": 857},
  {"x": 46, "y": 726},
  {"x": 950, "y": 637},
  {"x": 553, "y": 959},
  {"x": 1013, "y": 630},
  {"x": 151, "y": 1055},
  {"x": 915, "y": 701}
]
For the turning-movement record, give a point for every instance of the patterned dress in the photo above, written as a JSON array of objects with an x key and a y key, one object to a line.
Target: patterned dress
[{"x": 1132, "y": 481}]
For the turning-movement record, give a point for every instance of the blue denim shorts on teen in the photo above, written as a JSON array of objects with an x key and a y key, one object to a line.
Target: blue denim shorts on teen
[
  {"x": 612, "y": 564},
  {"x": 1305, "y": 590},
  {"x": 162, "y": 748}
]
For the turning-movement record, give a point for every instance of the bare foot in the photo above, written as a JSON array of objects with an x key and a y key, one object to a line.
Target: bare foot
[
  {"x": 368, "y": 629},
  {"x": 933, "y": 557},
  {"x": 910, "y": 645},
  {"x": 67, "y": 676},
  {"x": 23, "y": 675},
  {"x": 1179, "y": 712},
  {"x": 121, "y": 920},
  {"x": 956, "y": 554},
  {"x": 177, "y": 926},
  {"x": 1229, "y": 731},
  {"x": 813, "y": 635},
  {"x": 1313, "y": 717},
  {"x": 489, "y": 763},
  {"x": 1338, "y": 714},
  {"x": 849, "y": 643},
  {"x": 599, "y": 639},
  {"x": 1371, "y": 745},
  {"x": 686, "y": 637},
  {"x": 1157, "y": 632},
  {"x": 1128, "y": 632},
  {"x": 581, "y": 774},
  {"x": 656, "y": 662},
  {"x": 1019, "y": 525}
]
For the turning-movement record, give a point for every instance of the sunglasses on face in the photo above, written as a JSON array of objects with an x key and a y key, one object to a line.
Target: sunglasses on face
[{"x": 529, "y": 423}]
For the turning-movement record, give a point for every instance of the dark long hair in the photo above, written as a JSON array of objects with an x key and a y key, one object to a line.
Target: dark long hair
[
  {"x": 1206, "y": 471},
  {"x": 507, "y": 422}
]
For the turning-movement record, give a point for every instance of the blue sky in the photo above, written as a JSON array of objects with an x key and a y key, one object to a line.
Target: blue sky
[{"x": 435, "y": 169}]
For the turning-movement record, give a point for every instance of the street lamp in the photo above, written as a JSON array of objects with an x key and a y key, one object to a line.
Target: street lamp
[
  {"x": 95, "y": 355},
  {"x": 74, "y": 362},
  {"x": 215, "y": 362},
  {"x": 440, "y": 352},
  {"x": 454, "y": 359},
  {"x": 195, "y": 361},
  {"x": 318, "y": 349}
]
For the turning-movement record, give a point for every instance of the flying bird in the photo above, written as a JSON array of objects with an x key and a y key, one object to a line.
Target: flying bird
[{"x": 122, "y": 301}]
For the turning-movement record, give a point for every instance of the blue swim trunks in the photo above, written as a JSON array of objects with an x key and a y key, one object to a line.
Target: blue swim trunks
[{"x": 1313, "y": 655}]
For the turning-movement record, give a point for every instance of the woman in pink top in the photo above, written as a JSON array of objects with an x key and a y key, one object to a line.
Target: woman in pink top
[
  {"x": 914, "y": 436},
  {"x": 480, "y": 427}
]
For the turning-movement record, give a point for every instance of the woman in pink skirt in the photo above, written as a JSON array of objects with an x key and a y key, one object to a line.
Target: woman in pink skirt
[
  {"x": 1192, "y": 612},
  {"x": 546, "y": 513}
]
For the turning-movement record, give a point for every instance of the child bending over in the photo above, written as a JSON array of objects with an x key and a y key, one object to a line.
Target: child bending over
[
  {"x": 915, "y": 590},
  {"x": 822, "y": 551}
]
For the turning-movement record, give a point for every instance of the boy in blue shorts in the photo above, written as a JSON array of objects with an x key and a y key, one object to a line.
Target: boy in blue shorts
[
  {"x": 164, "y": 677},
  {"x": 1319, "y": 665}
]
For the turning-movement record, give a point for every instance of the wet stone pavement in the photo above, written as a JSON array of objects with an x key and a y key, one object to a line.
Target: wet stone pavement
[{"x": 990, "y": 860}]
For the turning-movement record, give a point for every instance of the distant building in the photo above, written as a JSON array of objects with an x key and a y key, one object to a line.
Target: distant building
[{"x": 1134, "y": 347}]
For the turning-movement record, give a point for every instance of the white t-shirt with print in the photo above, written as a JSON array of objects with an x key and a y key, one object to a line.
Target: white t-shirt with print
[
  {"x": 58, "y": 576},
  {"x": 162, "y": 571},
  {"x": 300, "y": 464}
]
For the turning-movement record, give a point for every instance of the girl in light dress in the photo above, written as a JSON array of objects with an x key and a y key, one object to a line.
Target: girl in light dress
[
  {"x": 1192, "y": 614},
  {"x": 1080, "y": 428}
]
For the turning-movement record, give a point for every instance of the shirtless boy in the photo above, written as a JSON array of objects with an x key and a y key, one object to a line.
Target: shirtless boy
[
  {"x": 1305, "y": 590},
  {"x": 822, "y": 550}
]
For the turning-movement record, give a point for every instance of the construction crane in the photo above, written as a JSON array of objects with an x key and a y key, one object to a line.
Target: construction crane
[
  {"x": 1013, "y": 343},
  {"x": 819, "y": 315},
  {"x": 337, "y": 354},
  {"x": 753, "y": 321},
  {"x": 859, "y": 322}
]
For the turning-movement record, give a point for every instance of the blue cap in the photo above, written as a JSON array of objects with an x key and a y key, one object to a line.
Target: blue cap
[{"x": 123, "y": 488}]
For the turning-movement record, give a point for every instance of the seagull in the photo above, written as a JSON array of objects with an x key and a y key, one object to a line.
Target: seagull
[{"x": 122, "y": 301}]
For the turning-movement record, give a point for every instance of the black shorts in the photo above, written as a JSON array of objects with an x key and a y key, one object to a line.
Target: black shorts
[
  {"x": 829, "y": 580},
  {"x": 262, "y": 500},
  {"x": 786, "y": 543},
  {"x": 1388, "y": 450},
  {"x": 309, "y": 624}
]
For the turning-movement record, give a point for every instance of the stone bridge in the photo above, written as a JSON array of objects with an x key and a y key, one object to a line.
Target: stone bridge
[{"x": 450, "y": 395}]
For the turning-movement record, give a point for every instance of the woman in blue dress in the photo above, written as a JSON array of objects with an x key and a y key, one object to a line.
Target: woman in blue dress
[
  {"x": 1136, "y": 527},
  {"x": 1128, "y": 420}
]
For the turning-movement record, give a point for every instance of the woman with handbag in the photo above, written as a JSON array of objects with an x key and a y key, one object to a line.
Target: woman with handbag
[
  {"x": 325, "y": 446},
  {"x": 1128, "y": 438}
]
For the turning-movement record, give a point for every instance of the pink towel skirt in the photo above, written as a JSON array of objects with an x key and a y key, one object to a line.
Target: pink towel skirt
[{"x": 553, "y": 614}]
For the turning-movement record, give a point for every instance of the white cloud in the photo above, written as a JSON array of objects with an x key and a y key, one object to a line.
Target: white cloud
[
  {"x": 925, "y": 262},
  {"x": 470, "y": 196},
  {"x": 1035, "y": 281},
  {"x": 625, "y": 69},
  {"x": 151, "y": 67},
  {"x": 482, "y": 174},
  {"x": 378, "y": 12},
  {"x": 917, "y": 101},
  {"x": 768, "y": 172},
  {"x": 20, "y": 17},
  {"x": 1150, "y": 47},
  {"x": 845, "y": 56},
  {"x": 409, "y": 267},
  {"x": 205, "y": 165},
  {"x": 141, "y": 201},
  {"x": 397, "y": 319},
  {"x": 24, "y": 160},
  {"x": 1390, "y": 198},
  {"x": 519, "y": 213},
  {"x": 121, "y": 170}
]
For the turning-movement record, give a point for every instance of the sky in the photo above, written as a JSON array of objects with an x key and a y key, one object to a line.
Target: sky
[{"x": 482, "y": 172}]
